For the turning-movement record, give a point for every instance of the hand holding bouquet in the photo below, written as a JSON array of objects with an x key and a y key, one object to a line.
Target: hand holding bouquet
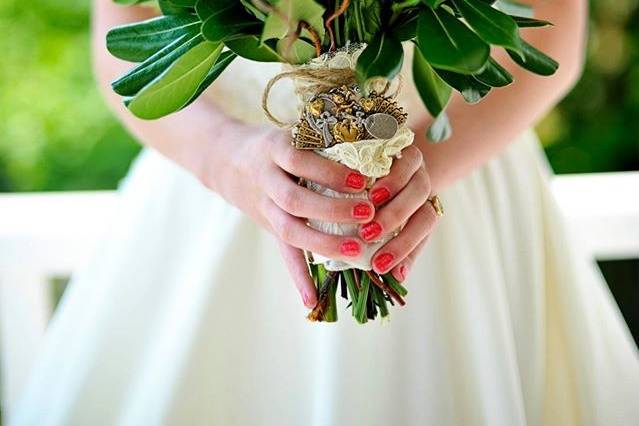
[{"x": 344, "y": 57}]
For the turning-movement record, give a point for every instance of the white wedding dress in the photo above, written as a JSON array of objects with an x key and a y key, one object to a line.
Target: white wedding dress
[{"x": 186, "y": 316}]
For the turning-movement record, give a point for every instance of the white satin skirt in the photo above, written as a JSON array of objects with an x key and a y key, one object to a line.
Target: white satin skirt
[{"x": 186, "y": 316}]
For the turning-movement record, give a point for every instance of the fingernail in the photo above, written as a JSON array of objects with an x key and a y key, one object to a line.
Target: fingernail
[
  {"x": 379, "y": 195},
  {"x": 370, "y": 231},
  {"x": 355, "y": 180},
  {"x": 306, "y": 299},
  {"x": 362, "y": 211},
  {"x": 401, "y": 273},
  {"x": 383, "y": 261},
  {"x": 350, "y": 248}
]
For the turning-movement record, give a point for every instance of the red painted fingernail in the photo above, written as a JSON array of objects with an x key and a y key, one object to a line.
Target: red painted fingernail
[
  {"x": 350, "y": 248},
  {"x": 362, "y": 211},
  {"x": 383, "y": 261},
  {"x": 379, "y": 195},
  {"x": 370, "y": 231},
  {"x": 355, "y": 180}
]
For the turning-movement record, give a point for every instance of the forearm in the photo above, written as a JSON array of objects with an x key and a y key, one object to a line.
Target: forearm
[
  {"x": 483, "y": 130},
  {"x": 189, "y": 138}
]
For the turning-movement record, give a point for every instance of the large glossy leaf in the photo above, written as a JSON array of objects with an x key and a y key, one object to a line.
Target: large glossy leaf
[
  {"x": 224, "y": 19},
  {"x": 433, "y": 3},
  {"x": 514, "y": 8},
  {"x": 494, "y": 75},
  {"x": 535, "y": 61},
  {"x": 471, "y": 89},
  {"x": 168, "y": 7},
  {"x": 405, "y": 29},
  {"x": 137, "y": 42},
  {"x": 249, "y": 47},
  {"x": 287, "y": 14},
  {"x": 447, "y": 43},
  {"x": 297, "y": 52},
  {"x": 147, "y": 71},
  {"x": 524, "y": 22},
  {"x": 174, "y": 88},
  {"x": 222, "y": 62},
  {"x": 383, "y": 58},
  {"x": 493, "y": 26},
  {"x": 434, "y": 91}
]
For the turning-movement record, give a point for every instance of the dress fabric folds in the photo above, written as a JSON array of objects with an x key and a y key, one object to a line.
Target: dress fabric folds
[{"x": 186, "y": 315}]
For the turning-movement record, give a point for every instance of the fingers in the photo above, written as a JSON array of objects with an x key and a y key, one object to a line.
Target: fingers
[
  {"x": 315, "y": 168},
  {"x": 403, "y": 268},
  {"x": 401, "y": 173},
  {"x": 417, "y": 228},
  {"x": 296, "y": 265},
  {"x": 295, "y": 232},
  {"x": 302, "y": 202},
  {"x": 394, "y": 214}
]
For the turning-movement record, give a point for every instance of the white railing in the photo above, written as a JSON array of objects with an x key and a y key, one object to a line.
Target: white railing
[{"x": 46, "y": 235}]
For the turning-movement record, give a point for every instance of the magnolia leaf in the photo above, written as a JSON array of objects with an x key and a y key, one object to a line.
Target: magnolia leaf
[
  {"x": 494, "y": 75},
  {"x": 224, "y": 19},
  {"x": 222, "y": 62},
  {"x": 137, "y": 42},
  {"x": 147, "y": 71},
  {"x": 535, "y": 61},
  {"x": 249, "y": 47},
  {"x": 447, "y": 43},
  {"x": 433, "y": 3},
  {"x": 493, "y": 26},
  {"x": 382, "y": 58},
  {"x": 514, "y": 8},
  {"x": 169, "y": 7},
  {"x": 434, "y": 91},
  {"x": 440, "y": 130},
  {"x": 175, "y": 87},
  {"x": 524, "y": 22},
  {"x": 471, "y": 89},
  {"x": 299, "y": 52},
  {"x": 405, "y": 29},
  {"x": 287, "y": 14}
]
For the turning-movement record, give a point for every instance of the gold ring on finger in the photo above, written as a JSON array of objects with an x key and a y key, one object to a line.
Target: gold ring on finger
[{"x": 437, "y": 205}]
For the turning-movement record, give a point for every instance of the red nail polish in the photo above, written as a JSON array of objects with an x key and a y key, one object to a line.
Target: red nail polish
[
  {"x": 355, "y": 180},
  {"x": 403, "y": 271},
  {"x": 370, "y": 231},
  {"x": 350, "y": 248},
  {"x": 306, "y": 298},
  {"x": 379, "y": 195},
  {"x": 383, "y": 261},
  {"x": 362, "y": 211}
]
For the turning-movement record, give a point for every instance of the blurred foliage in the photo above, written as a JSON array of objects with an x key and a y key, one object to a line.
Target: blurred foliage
[
  {"x": 596, "y": 128},
  {"x": 57, "y": 134}
]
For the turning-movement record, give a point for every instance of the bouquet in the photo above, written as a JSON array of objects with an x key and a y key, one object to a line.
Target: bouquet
[{"x": 344, "y": 57}]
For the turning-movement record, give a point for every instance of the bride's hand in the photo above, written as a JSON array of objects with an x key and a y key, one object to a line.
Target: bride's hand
[
  {"x": 401, "y": 198},
  {"x": 259, "y": 178}
]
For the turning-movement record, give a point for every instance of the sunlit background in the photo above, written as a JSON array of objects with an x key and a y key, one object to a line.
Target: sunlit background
[{"x": 56, "y": 134}]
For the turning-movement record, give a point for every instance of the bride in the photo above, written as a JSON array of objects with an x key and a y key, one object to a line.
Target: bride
[{"x": 183, "y": 317}]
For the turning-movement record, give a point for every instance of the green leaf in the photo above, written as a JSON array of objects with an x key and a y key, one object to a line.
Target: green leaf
[
  {"x": 249, "y": 47},
  {"x": 224, "y": 19},
  {"x": 447, "y": 43},
  {"x": 471, "y": 89},
  {"x": 434, "y": 92},
  {"x": 535, "y": 61},
  {"x": 514, "y": 8},
  {"x": 494, "y": 75},
  {"x": 222, "y": 62},
  {"x": 406, "y": 29},
  {"x": 174, "y": 88},
  {"x": 440, "y": 130},
  {"x": 493, "y": 26},
  {"x": 433, "y": 3},
  {"x": 137, "y": 42},
  {"x": 168, "y": 7},
  {"x": 383, "y": 58},
  {"x": 147, "y": 71},
  {"x": 287, "y": 14},
  {"x": 524, "y": 22},
  {"x": 298, "y": 53}
]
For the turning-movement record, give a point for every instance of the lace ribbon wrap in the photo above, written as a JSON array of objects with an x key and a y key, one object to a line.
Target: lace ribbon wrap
[{"x": 372, "y": 158}]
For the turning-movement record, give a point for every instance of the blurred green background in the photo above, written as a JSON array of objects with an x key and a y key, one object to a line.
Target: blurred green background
[{"x": 57, "y": 134}]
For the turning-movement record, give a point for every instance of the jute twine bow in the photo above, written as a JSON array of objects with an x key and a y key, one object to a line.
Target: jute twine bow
[{"x": 310, "y": 81}]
